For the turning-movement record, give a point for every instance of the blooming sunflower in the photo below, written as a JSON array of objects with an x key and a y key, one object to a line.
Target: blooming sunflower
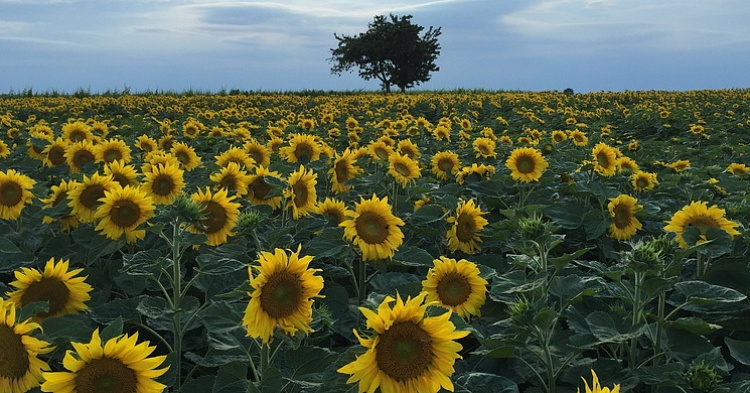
[
  {"x": 403, "y": 169},
  {"x": 484, "y": 148},
  {"x": 558, "y": 136},
  {"x": 158, "y": 157},
  {"x": 186, "y": 155},
  {"x": 59, "y": 194},
  {"x": 261, "y": 187},
  {"x": 112, "y": 150},
  {"x": 464, "y": 233},
  {"x": 474, "y": 173},
  {"x": 526, "y": 164},
  {"x": 302, "y": 148},
  {"x": 379, "y": 150},
  {"x": 192, "y": 129},
  {"x": 335, "y": 209},
  {"x": 232, "y": 178},
  {"x": 579, "y": 138},
  {"x": 122, "y": 173},
  {"x": 301, "y": 195},
  {"x": 20, "y": 368},
  {"x": 5, "y": 150},
  {"x": 237, "y": 155},
  {"x": 737, "y": 168},
  {"x": 409, "y": 352},
  {"x": 258, "y": 152},
  {"x": 54, "y": 153},
  {"x": 679, "y": 165},
  {"x": 77, "y": 131},
  {"x": 456, "y": 286},
  {"x": 85, "y": 196},
  {"x": 163, "y": 183},
  {"x": 14, "y": 193},
  {"x": 408, "y": 148},
  {"x": 699, "y": 215},
  {"x": 373, "y": 228},
  {"x": 283, "y": 292},
  {"x": 622, "y": 210},
  {"x": 343, "y": 170},
  {"x": 444, "y": 164},
  {"x": 79, "y": 154},
  {"x": 122, "y": 210},
  {"x": 627, "y": 164},
  {"x": 604, "y": 159},
  {"x": 120, "y": 365},
  {"x": 57, "y": 285},
  {"x": 219, "y": 215},
  {"x": 146, "y": 144},
  {"x": 596, "y": 387},
  {"x": 642, "y": 181}
]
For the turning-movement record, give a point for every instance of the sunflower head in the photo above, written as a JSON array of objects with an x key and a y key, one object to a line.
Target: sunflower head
[
  {"x": 526, "y": 164},
  {"x": 467, "y": 223},
  {"x": 699, "y": 215},
  {"x": 622, "y": 210},
  {"x": 373, "y": 228},
  {"x": 456, "y": 285},
  {"x": 20, "y": 368},
  {"x": 15, "y": 193}
]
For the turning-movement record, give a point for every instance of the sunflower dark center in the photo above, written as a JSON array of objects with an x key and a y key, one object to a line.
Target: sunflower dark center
[
  {"x": 112, "y": 154},
  {"x": 77, "y": 135},
  {"x": 526, "y": 164},
  {"x": 453, "y": 289},
  {"x": 216, "y": 217},
  {"x": 702, "y": 222},
  {"x": 621, "y": 216},
  {"x": 303, "y": 152},
  {"x": 301, "y": 194},
  {"x": 11, "y": 193},
  {"x": 83, "y": 157},
  {"x": 642, "y": 182},
  {"x": 404, "y": 351},
  {"x": 56, "y": 155},
  {"x": 256, "y": 155},
  {"x": 465, "y": 227},
  {"x": 183, "y": 157},
  {"x": 342, "y": 171},
  {"x": 90, "y": 196},
  {"x": 445, "y": 164},
  {"x": 163, "y": 185},
  {"x": 261, "y": 188},
  {"x": 371, "y": 227},
  {"x": 49, "y": 289},
  {"x": 282, "y": 294},
  {"x": 603, "y": 160},
  {"x": 402, "y": 169},
  {"x": 106, "y": 375},
  {"x": 125, "y": 213},
  {"x": 229, "y": 182},
  {"x": 381, "y": 153},
  {"x": 483, "y": 149},
  {"x": 14, "y": 359},
  {"x": 121, "y": 178},
  {"x": 336, "y": 215},
  {"x": 61, "y": 196}
]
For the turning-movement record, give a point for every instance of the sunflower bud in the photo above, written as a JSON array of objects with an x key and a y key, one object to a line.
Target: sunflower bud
[
  {"x": 186, "y": 209},
  {"x": 702, "y": 377},
  {"x": 248, "y": 221},
  {"x": 645, "y": 256}
]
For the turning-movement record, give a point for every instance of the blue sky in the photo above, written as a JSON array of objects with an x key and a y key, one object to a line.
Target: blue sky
[{"x": 587, "y": 45}]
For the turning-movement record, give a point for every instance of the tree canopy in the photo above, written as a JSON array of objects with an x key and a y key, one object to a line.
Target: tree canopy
[{"x": 391, "y": 50}]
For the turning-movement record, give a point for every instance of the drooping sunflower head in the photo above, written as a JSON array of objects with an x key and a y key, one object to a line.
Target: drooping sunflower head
[
  {"x": 403, "y": 169},
  {"x": 467, "y": 223},
  {"x": 679, "y": 165},
  {"x": 526, "y": 164},
  {"x": 604, "y": 159},
  {"x": 698, "y": 215},
  {"x": 15, "y": 193},
  {"x": 263, "y": 189},
  {"x": 627, "y": 164},
  {"x": 622, "y": 210},
  {"x": 59, "y": 193},
  {"x": 456, "y": 285},
  {"x": 737, "y": 168},
  {"x": 301, "y": 194},
  {"x": 343, "y": 170},
  {"x": 373, "y": 228},
  {"x": 20, "y": 368},
  {"x": 112, "y": 150},
  {"x": 408, "y": 352},
  {"x": 122, "y": 210},
  {"x": 219, "y": 213},
  {"x": 283, "y": 293},
  {"x": 119, "y": 365},
  {"x": 85, "y": 197},
  {"x": 61, "y": 287},
  {"x": 444, "y": 164}
]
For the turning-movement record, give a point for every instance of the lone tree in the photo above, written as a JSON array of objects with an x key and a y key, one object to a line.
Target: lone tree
[{"x": 391, "y": 50}]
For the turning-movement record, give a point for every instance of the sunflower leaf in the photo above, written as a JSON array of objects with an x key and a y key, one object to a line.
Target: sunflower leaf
[
  {"x": 740, "y": 350},
  {"x": 231, "y": 378}
]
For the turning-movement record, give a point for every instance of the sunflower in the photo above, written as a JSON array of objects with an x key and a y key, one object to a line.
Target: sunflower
[
  {"x": 20, "y": 368},
  {"x": 112, "y": 150},
  {"x": 261, "y": 188},
  {"x": 146, "y": 144},
  {"x": 85, "y": 196},
  {"x": 679, "y": 165},
  {"x": 604, "y": 159},
  {"x": 737, "y": 169},
  {"x": 699, "y": 215},
  {"x": 163, "y": 183},
  {"x": 463, "y": 234},
  {"x": 219, "y": 215},
  {"x": 622, "y": 210},
  {"x": 120, "y": 365},
  {"x": 444, "y": 164},
  {"x": 57, "y": 285},
  {"x": 54, "y": 153},
  {"x": 186, "y": 155},
  {"x": 59, "y": 194},
  {"x": 335, "y": 209},
  {"x": 302, "y": 148},
  {"x": 79, "y": 154},
  {"x": 526, "y": 164},
  {"x": 14, "y": 193},
  {"x": 122, "y": 173},
  {"x": 373, "y": 228},
  {"x": 232, "y": 178},
  {"x": 192, "y": 129},
  {"x": 122, "y": 210},
  {"x": 166, "y": 142},
  {"x": 579, "y": 138},
  {"x": 77, "y": 131},
  {"x": 596, "y": 387},
  {"x": 627, "y": 164},
  {"x": 408, "y": 148},
  {"x": 642, "y": 181},
  {"x": 343, "y": 170},
  {"x": 379, "y": 150},
  {"x": 301, "y": 194},
  {"x": 442, "y": 131},
  {"x": 558, "y": 136},
  {"x": 258, "y": 152},
  {"x": 5, "y": 150},
  {"x": 474, "y": 173},
  {"x": 484, "y": 148},
  {"x": 283, "y": 292},
  {"x": 403, "y": 169},
  {"x": 456, "y": 286},
  {"x": 237, "y": 155},
  {"x": 408, "y": 352}
]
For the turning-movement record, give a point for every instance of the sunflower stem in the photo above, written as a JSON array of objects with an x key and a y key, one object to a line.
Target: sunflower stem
[
  {"x": 265, "y": 359},
  {"x": 176, "y": 301},
  {"x": 362, "y": 283}
]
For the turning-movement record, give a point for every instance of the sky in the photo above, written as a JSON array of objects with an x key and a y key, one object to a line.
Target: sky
[{"x": 269, "y": 45}]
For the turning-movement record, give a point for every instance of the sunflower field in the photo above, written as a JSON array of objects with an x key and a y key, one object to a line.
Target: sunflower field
[{"x": 465, "y": 241}]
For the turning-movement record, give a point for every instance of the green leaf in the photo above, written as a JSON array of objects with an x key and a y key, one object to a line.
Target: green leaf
[
  {"x": 695, "y": 325},
  {"x": 740, "y": 350},
  {"x": 231, "y": 378},
  {"x": 143, "y": 263},
  {"x": 112, "y": 330},
  {"x": 572, "y": 287},
  {"x": 211, "y": 265},
  {"x": 427, "y": 214},
  {"x": 663, "y": 374},
  {"x": 203, "y": 383},
  {"x": 701, "y": 293},
  {"x": 413, "y": 256},
  {"x": 594, "y": 224},
  {"x": 330, "y": 243},
  {"x": 568, "y": 215},
  {"x": 483, "y": 382},
  {"x": 561, "y": 261},
  {"x": 607, "y": 330}
]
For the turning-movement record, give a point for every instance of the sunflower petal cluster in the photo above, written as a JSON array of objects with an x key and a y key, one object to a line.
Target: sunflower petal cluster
[
  {"x": 464, "y": 233},
  {"x": 699, "y": 215},
  {"x": 456, "y": 285},
  {"x": 596, "y": 387},
  {"x": 20, "y": 367},
  {"x": 15, "y": 193},
  {"x": 373, "y": 228}
]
